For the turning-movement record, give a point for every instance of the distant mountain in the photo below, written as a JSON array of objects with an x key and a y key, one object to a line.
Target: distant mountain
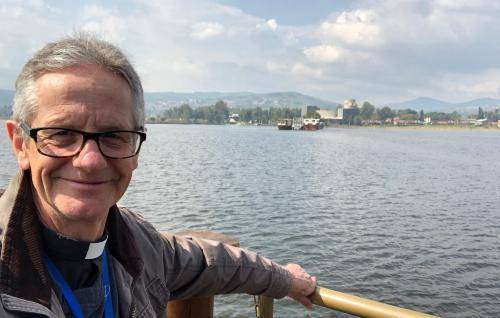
[
  {"x": 430, "y": 104},
  {"x": 425, "y": 103},
  {"x": 157, "y": 102},
  {"x": 6, "y": 97},
  {"x": 480, "y": 102}
]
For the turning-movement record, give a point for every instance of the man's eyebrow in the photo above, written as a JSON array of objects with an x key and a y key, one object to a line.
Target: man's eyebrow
[
  {"x": 62, "y": 124},
  {"x": 115, "y": 127}
]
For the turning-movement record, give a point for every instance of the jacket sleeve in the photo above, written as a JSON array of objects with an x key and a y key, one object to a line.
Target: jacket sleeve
[
  {"x": 197, "y": 267},
  {"x": 192, "y": 267}
]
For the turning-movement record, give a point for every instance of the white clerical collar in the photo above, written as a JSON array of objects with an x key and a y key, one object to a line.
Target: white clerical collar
[
  {"x": 58, "y": 246},
  {"x": 96, "y": 249}
]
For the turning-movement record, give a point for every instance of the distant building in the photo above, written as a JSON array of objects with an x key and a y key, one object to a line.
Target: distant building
[
  {"x": 327, "y": 114},
  {"x": 350, "y": 103},
  {"x": 308, "y": 109},
  {"x": 348, "y": 110}
]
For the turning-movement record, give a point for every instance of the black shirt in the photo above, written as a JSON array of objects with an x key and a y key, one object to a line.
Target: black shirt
[{"x": 82, "y": 275}]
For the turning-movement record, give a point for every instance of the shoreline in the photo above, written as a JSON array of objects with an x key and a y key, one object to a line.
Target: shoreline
[
  {"x": 429, "y": 127},
  {"x": 409, "y": 127}
]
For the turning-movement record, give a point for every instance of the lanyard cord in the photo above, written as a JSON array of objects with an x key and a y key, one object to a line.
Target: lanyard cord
[{"x": 70, "y": 296}]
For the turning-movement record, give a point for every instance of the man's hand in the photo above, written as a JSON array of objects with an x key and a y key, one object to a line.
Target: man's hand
[{"x": 303, "y": 285}]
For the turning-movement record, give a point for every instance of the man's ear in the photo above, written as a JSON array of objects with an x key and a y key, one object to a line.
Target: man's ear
[{"x": 18, "y": 144}]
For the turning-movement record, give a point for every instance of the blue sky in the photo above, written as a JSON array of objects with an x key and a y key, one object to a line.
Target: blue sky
[{"x": 380, "y": 51}]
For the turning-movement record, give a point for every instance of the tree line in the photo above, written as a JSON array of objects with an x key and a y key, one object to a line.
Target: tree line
[
  {"x": 369, "y": 112},
  {"x": 219, "y": 114}
]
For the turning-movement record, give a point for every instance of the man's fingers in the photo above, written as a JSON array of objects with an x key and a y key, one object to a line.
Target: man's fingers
[
  {"x": 303, "y": 285},
  {"x": 306, "y": 302}
]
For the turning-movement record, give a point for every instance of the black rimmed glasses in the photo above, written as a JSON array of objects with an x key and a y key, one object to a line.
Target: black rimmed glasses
[{"x": 63, "y": 142}]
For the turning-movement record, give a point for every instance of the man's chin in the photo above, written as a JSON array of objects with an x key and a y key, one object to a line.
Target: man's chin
[{"x": 84, "y": 209}]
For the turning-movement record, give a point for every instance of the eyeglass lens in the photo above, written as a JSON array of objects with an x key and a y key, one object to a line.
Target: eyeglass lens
[{"x": 60, "y": 142}]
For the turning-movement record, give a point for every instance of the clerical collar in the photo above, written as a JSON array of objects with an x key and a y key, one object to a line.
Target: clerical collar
[{"x": 58, "y": 246}]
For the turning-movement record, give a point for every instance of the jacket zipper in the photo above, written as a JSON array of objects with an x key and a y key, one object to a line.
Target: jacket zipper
[{"x": 133, "y": 313}]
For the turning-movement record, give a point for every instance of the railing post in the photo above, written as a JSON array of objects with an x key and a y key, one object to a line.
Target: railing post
[
  {"x": 202, "y": 307},
  {"x": 264, "y": 307}
]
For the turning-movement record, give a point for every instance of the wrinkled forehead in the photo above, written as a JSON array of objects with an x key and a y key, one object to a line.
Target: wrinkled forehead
[{"x": 86, "y": 93}]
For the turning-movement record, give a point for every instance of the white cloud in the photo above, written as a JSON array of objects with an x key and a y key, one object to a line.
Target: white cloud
[
  {"x": 355, "y": 27},
  {"x": 158, "y": 73},
  {"x": 275, "y": 67},
  {"x": 301, "y": 70},
  {"x": 485, "y": 84},
  {"x": 205, "y": 30},
  {"x": 467, "y": 4},
  {"x": 105, "y": 23},
  {"x": 272, "y": 24},
  {"x": 324, "y": 53},
  {"x": 378, "y": 49}
]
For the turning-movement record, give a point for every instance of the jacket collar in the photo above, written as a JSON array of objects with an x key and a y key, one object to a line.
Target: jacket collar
[{"x": 22, "y": 270}]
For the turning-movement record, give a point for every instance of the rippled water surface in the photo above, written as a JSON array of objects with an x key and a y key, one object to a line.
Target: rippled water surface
[{"x": 409, "y": 217}]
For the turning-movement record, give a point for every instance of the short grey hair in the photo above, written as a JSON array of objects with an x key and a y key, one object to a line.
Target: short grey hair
[{"x": 79, "y": 49}]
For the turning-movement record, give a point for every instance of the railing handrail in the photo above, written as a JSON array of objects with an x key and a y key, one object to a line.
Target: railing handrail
[{"x": 361, "y": 307}]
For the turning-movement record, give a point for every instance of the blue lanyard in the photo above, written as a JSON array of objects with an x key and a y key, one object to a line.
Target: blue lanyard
[{"x": 70, "y": 296}]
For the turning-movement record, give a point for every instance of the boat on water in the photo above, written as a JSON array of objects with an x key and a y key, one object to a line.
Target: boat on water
[
  {"x": 285, "y": 124},
  {"x": 312, "y": 124},
  {"x": 300, "y": 123}
]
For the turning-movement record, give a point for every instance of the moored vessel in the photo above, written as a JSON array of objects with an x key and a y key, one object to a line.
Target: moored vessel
[
  {"x": 312, "y": 124},
  {"x": 285, "y": 124}
]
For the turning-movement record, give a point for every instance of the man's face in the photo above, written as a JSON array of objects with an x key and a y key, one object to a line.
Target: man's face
[{"x": 83, "y": 187}]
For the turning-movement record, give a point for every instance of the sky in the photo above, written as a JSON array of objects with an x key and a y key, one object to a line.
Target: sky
[{"x": 379, "y": 51}]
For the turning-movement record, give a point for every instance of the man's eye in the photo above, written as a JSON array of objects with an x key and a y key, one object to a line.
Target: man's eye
[
  {"x": 61, "y": 133},
  {"x": 54, "y": 134},
  {"x": 115, "y": 138}
]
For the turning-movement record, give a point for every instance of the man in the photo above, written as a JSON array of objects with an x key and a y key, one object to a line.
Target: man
[{"x": 67, "y": 249}]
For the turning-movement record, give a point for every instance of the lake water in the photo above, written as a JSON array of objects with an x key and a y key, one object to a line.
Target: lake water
[{"x": 410, "y": 217}]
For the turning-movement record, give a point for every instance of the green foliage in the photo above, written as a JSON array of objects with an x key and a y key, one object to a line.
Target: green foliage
[
  {"x": 480, "y": 113},
  {"x": 367, "y": 111},
  {"x": 312, "y": 115},
  {"x": 455, "y": 116},
  {"x": 421, "y": 115},
  {"x": 493, "y": 115},
  {"x": 186, "y": 112},
  {"x": 384, "y": 113},
  {"x": 219, "y": 114},
  {"x": 215, "y": 114},
  {"x": 265, "y": 116},
  {"x": 407, "y": 114},
  {"x": 444, "y": 116}
]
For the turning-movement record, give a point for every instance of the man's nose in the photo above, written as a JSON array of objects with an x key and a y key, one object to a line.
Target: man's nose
[{"x": 90, "y": 157}]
